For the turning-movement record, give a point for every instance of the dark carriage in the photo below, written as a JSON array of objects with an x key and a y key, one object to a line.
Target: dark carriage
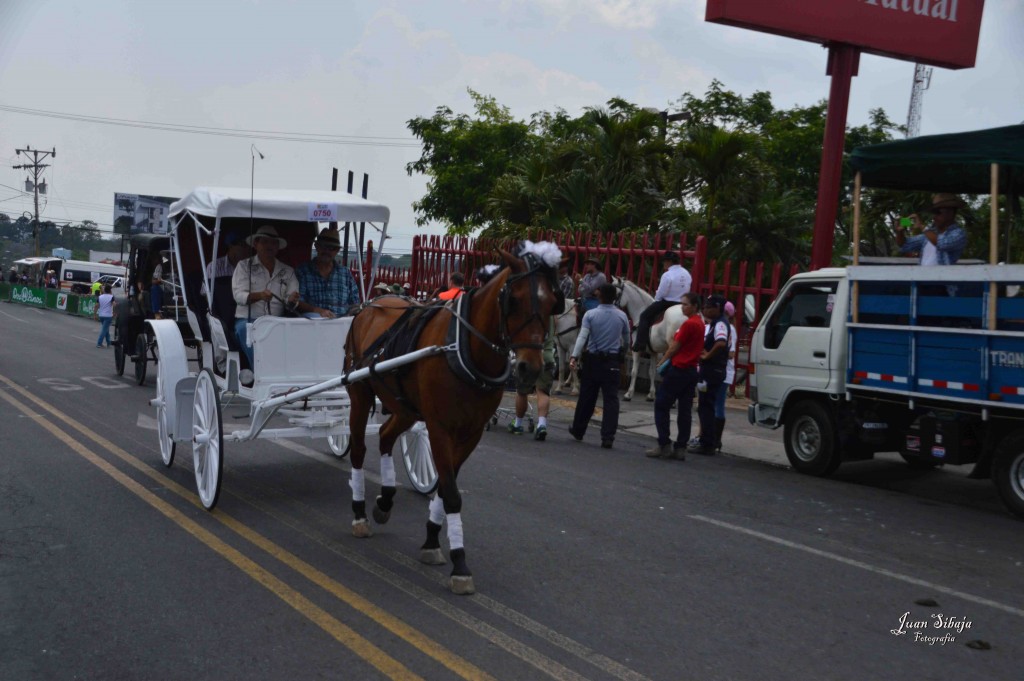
[{"x": 133, "y": 338}]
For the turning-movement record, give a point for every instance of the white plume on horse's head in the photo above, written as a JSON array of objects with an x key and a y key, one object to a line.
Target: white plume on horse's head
[{"x": 545, "y": 251}]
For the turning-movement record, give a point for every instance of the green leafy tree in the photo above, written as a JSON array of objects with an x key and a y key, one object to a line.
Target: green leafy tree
[{"x": 464, "y": 157}]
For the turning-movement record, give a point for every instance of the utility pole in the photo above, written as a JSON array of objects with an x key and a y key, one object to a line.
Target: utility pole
[{"x": 36, "y": 168}]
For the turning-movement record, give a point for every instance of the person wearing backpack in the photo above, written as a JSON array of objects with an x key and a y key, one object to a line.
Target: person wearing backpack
[{"x": 713, "y": 367}]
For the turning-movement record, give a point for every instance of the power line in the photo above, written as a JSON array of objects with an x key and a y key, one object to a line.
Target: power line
[{"x": 312, "y": 138}]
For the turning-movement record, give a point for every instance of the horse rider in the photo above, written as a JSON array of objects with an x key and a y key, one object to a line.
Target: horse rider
[
  {"x": 605, "y": 335},
  {"x": 565, "y": 280},
  {"x": 675, "y": 282},
  {"x": 593, "y": 278}
]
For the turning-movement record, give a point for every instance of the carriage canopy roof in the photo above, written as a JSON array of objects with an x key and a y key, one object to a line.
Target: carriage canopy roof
[
  {"x": 956, "y": 163},
  {"x": 276, "y": 204}
]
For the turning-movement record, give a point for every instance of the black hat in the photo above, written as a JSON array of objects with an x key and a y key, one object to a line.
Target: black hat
[
  {"x": 715, "y": 301},
  {"x": 593, "y": 259}
]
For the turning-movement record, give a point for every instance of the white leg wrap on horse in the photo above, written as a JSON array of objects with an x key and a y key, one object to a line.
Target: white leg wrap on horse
[
  {"x": 387, "y": 470},
  {"x": 358, "y": 485},
  {"x": 455, "y": 531},
  {"x": 437, "y": 510}
]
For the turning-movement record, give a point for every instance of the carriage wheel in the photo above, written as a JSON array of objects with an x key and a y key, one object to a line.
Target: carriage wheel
[
  {"x": 141, "y": 357},
  {"x": 339, "y": 444},
  {"x": 118, "y": 355},
  {"x": 167, "y": 445},
  {"x": 207, "y": 439},
  {"x": 419, "y": 464}
]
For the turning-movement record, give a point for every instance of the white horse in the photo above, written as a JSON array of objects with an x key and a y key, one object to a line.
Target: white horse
[
  {"x": 661, "y": 335},
  {"x": 632, "y": 300},
  {"x": 565, "y": 338}
]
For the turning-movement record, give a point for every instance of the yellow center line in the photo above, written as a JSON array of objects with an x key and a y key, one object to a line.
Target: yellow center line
[{"x": 340, "y": 631}]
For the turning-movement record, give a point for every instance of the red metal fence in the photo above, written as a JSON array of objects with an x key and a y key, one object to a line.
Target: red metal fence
[
  {"x": 751, "y": 286},
  {"x": 630, "y": 256}
]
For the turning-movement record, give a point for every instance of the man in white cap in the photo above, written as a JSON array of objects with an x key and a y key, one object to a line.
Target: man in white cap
[
  {"x": 262, "y": 284},
  {"x": 943, "y": 241}
]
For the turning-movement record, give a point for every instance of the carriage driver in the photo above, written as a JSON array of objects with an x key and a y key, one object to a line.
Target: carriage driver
[
  {"x": 262, "y": 284},
  {"x": 327, "y": 288}
]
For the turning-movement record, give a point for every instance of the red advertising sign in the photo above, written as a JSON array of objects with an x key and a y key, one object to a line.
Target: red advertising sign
[{"x": 936, "y": 32}]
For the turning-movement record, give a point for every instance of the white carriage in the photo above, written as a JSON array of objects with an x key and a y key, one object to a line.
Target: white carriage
[{"x": 297, "y": 387}]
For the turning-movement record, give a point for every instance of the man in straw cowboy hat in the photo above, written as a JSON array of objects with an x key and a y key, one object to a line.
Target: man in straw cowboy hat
[
  {"x": 593, "y": 278},
  {"x": 943, "y": 241},
  {"x": 262, "y": 284},
  {"x": 326, "y": 288}
]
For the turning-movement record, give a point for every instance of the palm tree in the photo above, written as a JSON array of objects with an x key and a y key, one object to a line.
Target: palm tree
[
  {"x": 772, "y": 227},
  {"x": 715, "y": 167}
]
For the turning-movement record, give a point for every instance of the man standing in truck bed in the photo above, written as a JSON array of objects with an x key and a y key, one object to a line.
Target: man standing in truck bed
[{"x": 943, "y": 241}]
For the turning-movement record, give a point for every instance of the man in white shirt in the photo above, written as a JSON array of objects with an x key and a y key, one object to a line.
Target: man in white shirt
[
  {"x": 675, "y": 282},
  {"x": 262, "y": 284}
]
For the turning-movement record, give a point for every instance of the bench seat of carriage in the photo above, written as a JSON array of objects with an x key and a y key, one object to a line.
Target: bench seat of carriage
[{"x": 297, "y": 352}]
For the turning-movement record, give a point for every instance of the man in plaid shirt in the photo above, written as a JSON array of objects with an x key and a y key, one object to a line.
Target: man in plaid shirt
[{"x": 325, "y": 287}]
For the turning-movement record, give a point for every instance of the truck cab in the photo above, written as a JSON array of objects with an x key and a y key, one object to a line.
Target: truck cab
[{"x": 800, "y": 347}]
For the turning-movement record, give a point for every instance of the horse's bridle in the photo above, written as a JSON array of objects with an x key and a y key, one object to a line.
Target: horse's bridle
[{"x": 533, "y": 272}]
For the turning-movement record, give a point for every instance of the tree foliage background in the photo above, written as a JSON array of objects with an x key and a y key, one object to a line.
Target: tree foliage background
[
  {"x": 737, "y": 169},
  {"x": 16, "y": 240}
]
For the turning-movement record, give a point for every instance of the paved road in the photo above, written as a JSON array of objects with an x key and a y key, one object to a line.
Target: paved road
[{"x": 589, "y": 563}]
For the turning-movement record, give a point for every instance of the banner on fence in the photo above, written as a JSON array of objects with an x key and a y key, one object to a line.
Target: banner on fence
[
  {"x": 86, "y": 305},
  {"x": 28, "y": 295}
]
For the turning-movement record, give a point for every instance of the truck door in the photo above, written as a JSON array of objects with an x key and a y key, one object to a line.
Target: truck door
[{"x": 796, "y": 342}]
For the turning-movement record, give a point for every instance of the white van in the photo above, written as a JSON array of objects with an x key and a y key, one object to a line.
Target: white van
[{"x": 77, "y": 276}]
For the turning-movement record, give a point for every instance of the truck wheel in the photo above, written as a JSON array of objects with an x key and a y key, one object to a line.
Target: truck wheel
[
  {"x": 1008, "y": 472},
  {"x": 811, "y": 439}
]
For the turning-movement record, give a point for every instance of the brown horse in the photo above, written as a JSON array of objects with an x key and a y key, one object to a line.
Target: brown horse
[{"x": 454, "y": 393}]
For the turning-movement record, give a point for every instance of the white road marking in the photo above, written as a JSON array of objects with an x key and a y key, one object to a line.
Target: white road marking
[
  {"x": 13, "y": 317},
  {"x": 863, "y": 566},
  {"x": 88, "y": 340},
  {"x": 328, "y": 459}
]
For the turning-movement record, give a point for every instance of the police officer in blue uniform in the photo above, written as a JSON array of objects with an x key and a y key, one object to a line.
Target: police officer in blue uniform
[{"x": 602, "y": 343}]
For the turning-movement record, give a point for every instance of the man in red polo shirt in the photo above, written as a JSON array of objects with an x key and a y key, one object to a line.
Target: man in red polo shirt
[{"x": 679, "y": 381}]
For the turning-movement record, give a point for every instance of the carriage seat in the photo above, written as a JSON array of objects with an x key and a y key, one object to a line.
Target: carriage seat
[
  {"x": 297, "y": 352},
  {"x": 223, "y": 308},
  {"x": 221, "y": 347}
]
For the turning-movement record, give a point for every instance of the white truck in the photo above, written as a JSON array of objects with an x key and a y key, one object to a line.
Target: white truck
[{"x": 924, "y": 361}]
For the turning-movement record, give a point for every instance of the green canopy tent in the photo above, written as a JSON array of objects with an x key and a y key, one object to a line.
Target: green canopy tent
[
  {"x": 959, "y": 163},
  {"x": 978, "y": 162}
]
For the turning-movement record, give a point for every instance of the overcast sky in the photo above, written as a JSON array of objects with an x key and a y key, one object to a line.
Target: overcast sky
[{"x": 362, "y": 69}]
